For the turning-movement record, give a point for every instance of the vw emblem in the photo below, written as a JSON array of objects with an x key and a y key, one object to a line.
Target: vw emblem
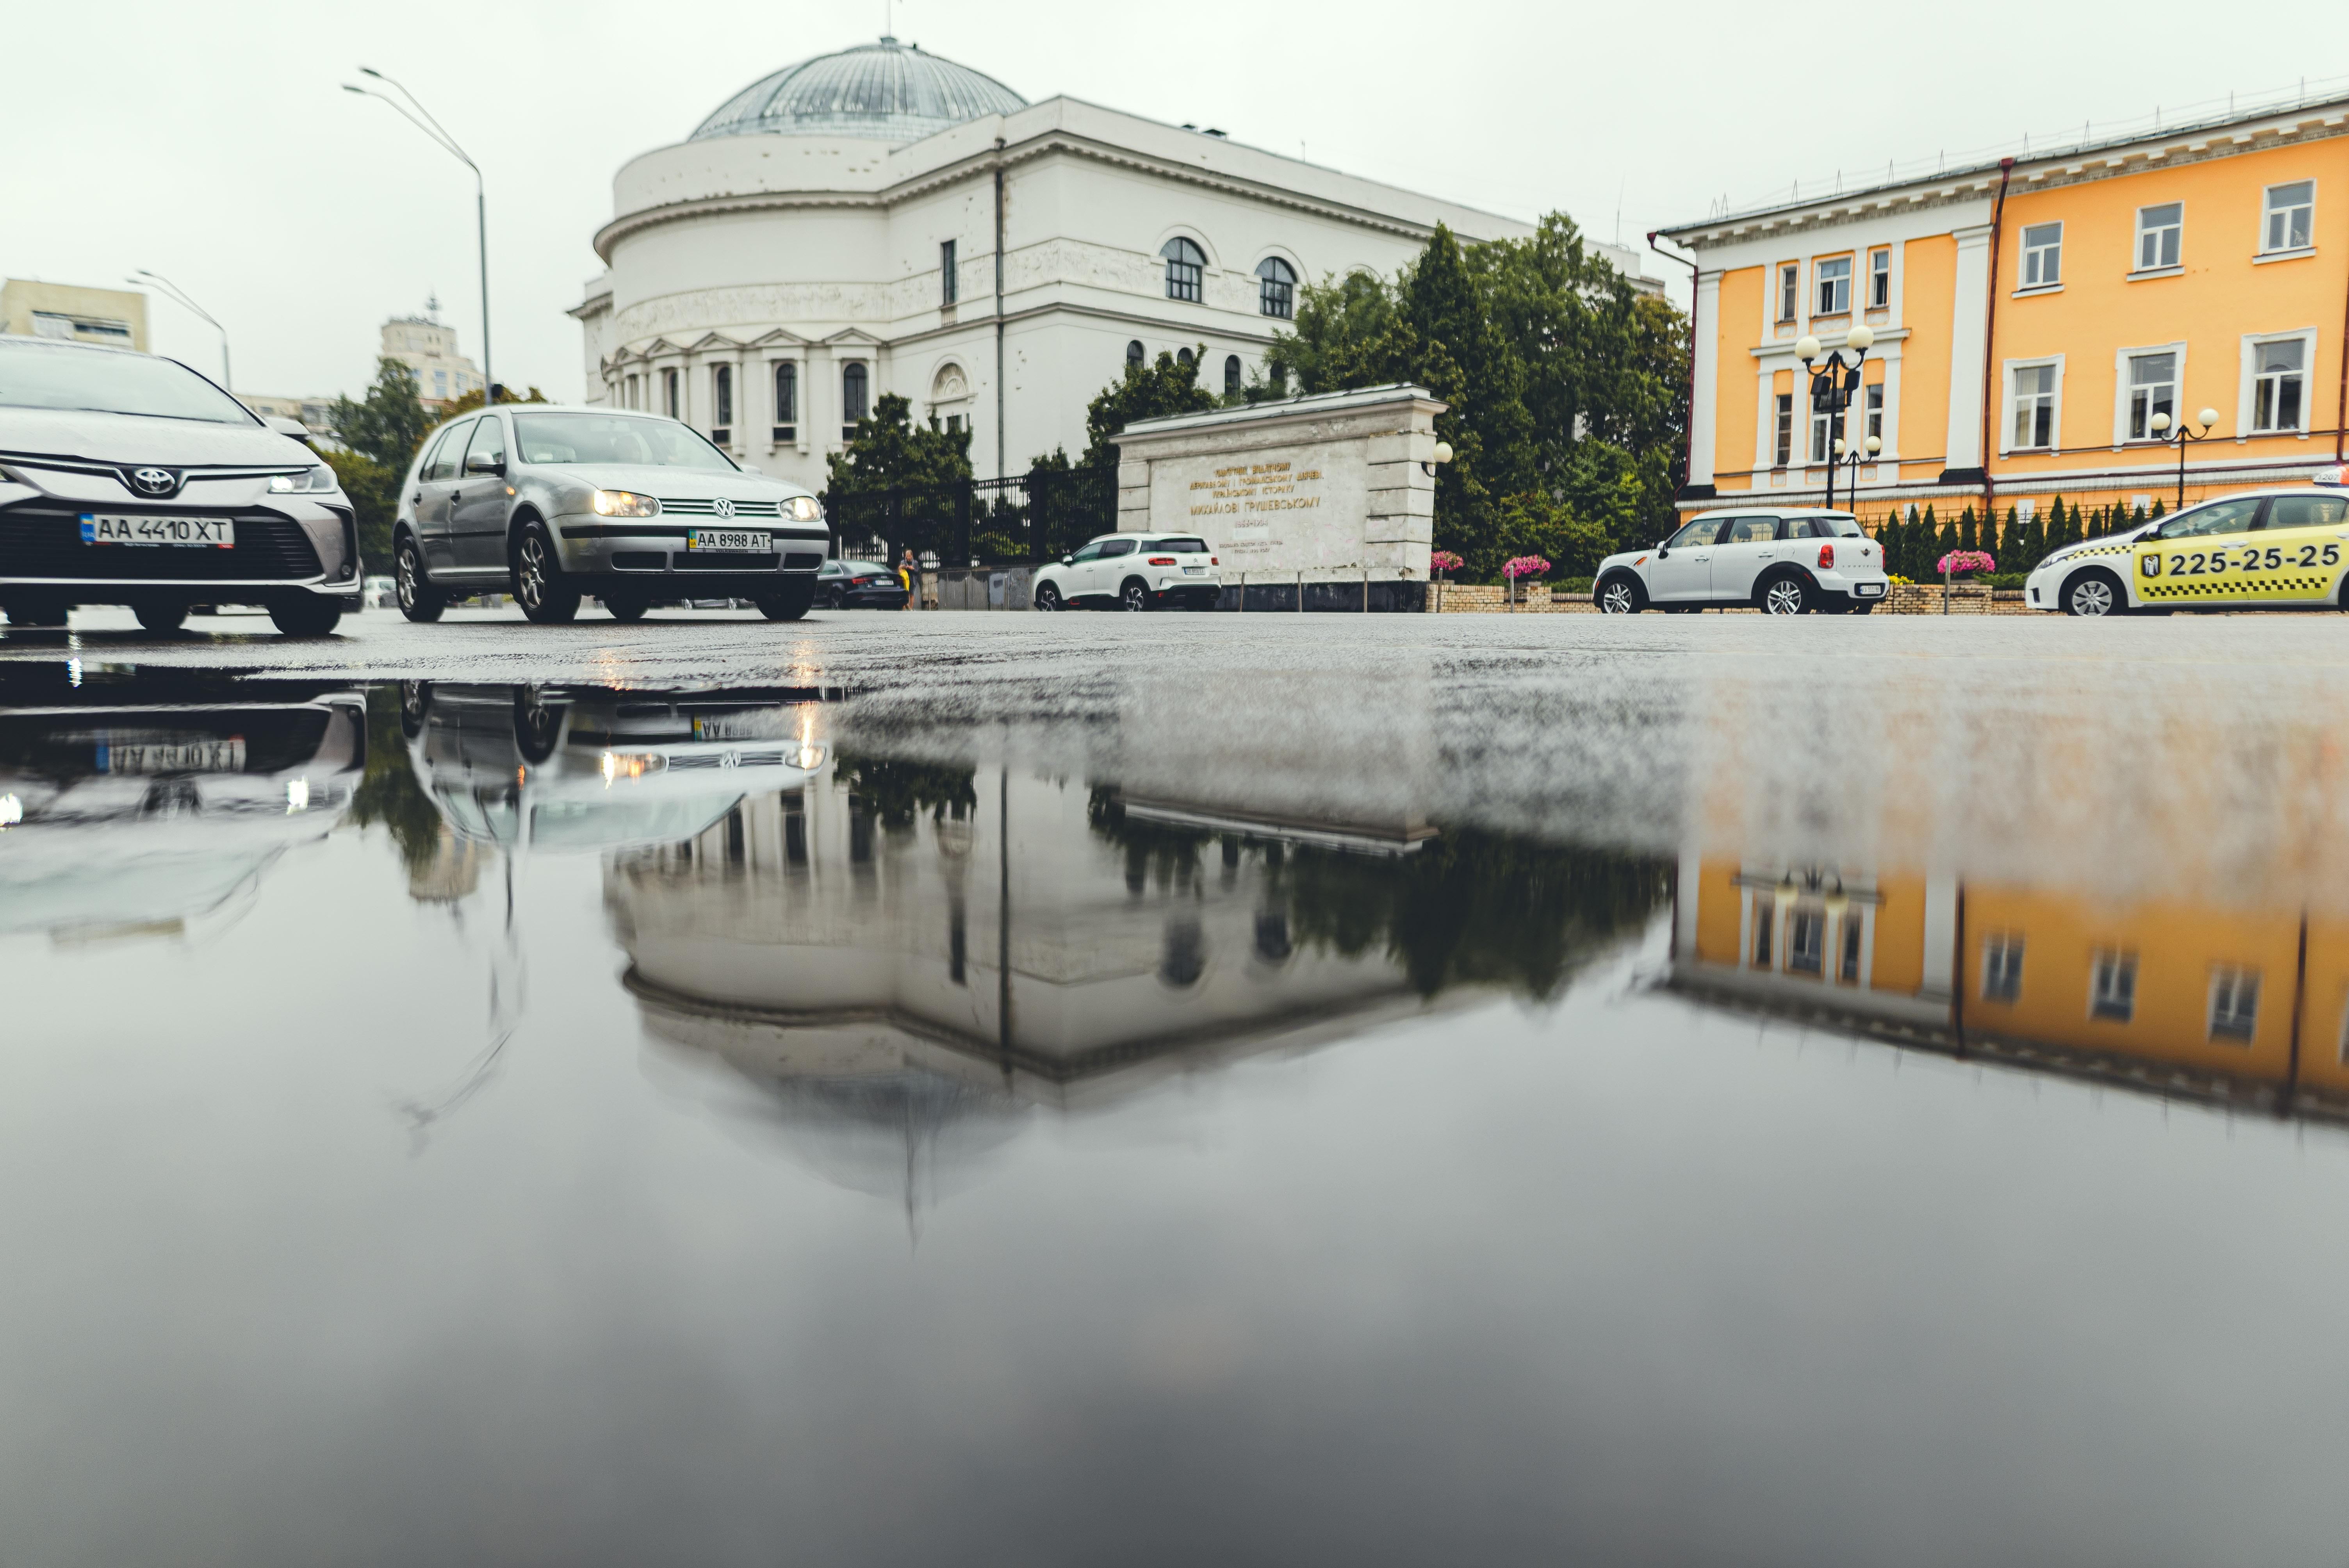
[
  {"x": 154, "y": 481},
  {"x": 722, "y": 507}
]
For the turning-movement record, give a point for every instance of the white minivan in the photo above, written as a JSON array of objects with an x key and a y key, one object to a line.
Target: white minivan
[{"x": 1782, "y": 560}]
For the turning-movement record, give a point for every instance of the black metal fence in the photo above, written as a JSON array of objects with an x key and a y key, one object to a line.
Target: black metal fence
[{"x": 1026, "y": 519}]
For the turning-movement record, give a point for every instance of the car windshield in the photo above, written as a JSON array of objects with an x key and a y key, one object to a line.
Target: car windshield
[
  {"x": 614, "y": 438},
  {"x": 34, "y": 375}
]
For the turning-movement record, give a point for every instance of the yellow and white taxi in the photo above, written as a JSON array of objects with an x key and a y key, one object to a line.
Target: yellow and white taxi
[{"x": 2273, "y": 549}]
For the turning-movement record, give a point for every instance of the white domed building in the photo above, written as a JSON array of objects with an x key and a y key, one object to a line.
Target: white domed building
[{"x": 881, "y": 220}]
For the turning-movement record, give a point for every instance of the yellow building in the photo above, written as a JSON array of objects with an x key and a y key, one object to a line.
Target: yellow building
[
  {"x": 2031, "y": 316},
  {"x": 116, "y": 317}
]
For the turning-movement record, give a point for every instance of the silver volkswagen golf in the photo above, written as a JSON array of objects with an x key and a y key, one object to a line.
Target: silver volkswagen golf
[
  {"x": 125, "y": 478},
  {"x": 551, "y": 503}
]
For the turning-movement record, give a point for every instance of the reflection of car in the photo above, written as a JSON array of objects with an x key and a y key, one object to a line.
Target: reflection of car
[
  {"x": 2277, "y": 549},
  {"x": 1784, "y": 561},
  {"x": 588, "y": 767},
  {"x": 859, "y": 585},
  {"x": 1131, "y": 571},
  {"x": 377, "y": 592},
  {"x": 142, "y": 806},
  {"x": 548, "y": 503},
  {"x": 130, "y": 479}
]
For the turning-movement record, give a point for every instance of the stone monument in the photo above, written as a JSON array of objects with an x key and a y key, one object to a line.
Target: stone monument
[{"x": 1323, "y": 503}]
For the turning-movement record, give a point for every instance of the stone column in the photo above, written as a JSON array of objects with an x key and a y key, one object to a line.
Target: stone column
[{"x": 1702, "y": 406}]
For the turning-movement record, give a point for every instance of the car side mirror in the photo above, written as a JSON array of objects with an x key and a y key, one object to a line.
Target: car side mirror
[
  {"x": 1068, "y": 560},
  {"x": 485, "y": 464}
]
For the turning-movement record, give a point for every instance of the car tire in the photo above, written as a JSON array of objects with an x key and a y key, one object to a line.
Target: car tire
[
  {"x": 1784, "y": 594},
  {"x": 36, "y": 614},
  {"x": 417, "y": 599},
  {"x": 161, "y": 618},
  {"x": 538, "y": 724},
  {"x": 305, "y": 617},
  {"x": 1048, "y": 598},
  {"x": 539, "y": 587},
  {"x": 2095, "y": 591},
  {"x": 835, "y": 600},
  {"x": 786, "y": 603},
  {"x": 1133, "y": 595},
  {"x": 415, "y": 707},
  {"x": 626, "y": 606},
  {"x": 1621, "y": 595}
]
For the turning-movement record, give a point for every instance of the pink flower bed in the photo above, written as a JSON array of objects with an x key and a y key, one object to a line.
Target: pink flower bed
[
  {"x": 1957, "y": 562},
  {"x": 1525, "y": 566}
]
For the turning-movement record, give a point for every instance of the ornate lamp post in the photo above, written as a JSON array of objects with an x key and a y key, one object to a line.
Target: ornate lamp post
[
  {"x": 1832, "y": 385},
  {"x": 1855, "y": 453},
  {"x": 2159, "y": 425}
]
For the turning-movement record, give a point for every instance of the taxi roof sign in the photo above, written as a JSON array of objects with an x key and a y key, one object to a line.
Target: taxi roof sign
[{"x": 2337, "y": 475}]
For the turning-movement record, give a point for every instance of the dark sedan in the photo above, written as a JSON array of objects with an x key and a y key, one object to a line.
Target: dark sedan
[{"x": 859, "y": 585}]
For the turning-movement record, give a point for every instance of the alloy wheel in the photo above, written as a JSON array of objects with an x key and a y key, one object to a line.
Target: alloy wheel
[
  {"x": 531, "y": 588},
  {"x": 1136, "y": 596},
  {"x": 1616, "y": 600},
  {"x": 2092, "y": 596},
  {"x": 1783, "y": 597},
  {"x": 1048, "y": 598},
  {"x": 405, "y": 569}
]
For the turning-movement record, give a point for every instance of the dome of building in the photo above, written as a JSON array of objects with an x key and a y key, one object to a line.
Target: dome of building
[{"x": 886, "y": 92}]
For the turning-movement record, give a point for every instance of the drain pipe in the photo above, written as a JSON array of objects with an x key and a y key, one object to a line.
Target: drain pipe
[
  {"x": 999, "y": 308},
  {"x": 2341, "y": 411},
  {"x": 1989, "y": 335},
  {"x": 1690, "y": 466}
]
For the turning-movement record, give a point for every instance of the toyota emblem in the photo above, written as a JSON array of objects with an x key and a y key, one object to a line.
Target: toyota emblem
[
  {"x": 722, "y": 507},
  {"x": 154, "y": 481}
]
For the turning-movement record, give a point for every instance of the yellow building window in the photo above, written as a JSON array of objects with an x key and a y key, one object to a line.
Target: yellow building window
[
  {"x": 1835, "y": 286},
  {"x": 2234, "y": 1004},
  {"x": 2002, "y": 968},
  {"x": 2291, "y": 217},
  {"x": 2112, "y": 987},
  {"x": 2160, "y": 232}
]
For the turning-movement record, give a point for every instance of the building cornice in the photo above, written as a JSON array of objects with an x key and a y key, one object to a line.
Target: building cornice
[
  {"x": 982, "y": 165},
  {"x": 2135, "y": 155}
]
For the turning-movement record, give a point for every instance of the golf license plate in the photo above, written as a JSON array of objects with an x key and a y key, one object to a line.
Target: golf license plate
[
  {"x": 729, "y": 539},
  {"x": 201, "y": 532}
]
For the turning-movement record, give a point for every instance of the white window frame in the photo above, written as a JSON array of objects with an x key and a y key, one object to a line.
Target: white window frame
[
  {"x": 2025, "y": 252},
  {"x": 1819, "y": 434},
  {"x": 1882, "y": 275},
  {"x": 1822, "y": 282},
  {"x": 2267, "y": 213},
  {"x": 1782, "y": 429},
  {"x": 2227, "y": 979},
  {"x": 2006, "y": 944},
  {"x": 2141, "y": 268},
  {"x": 2246, "y": 400},
  {"x": 1873, "y": 401},
  {"x": 1790, "y": 282},
  {"x": 2006, "y": 416},
  {"x": 2122, "y": 960},
  {"x": 2121, "y": 357}
]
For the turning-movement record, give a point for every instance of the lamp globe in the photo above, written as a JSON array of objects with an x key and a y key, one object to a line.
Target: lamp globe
[
  {"x": 1862, "y": 338},
  {"x": 2159, "y": 423},
  {"x": 1806, "y": 348},
  {"x": 1442, "y": 451},
  {"x": 2207, "y": 417}
]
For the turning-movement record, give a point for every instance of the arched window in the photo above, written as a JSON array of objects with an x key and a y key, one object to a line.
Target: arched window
[
  {"x": 853, "y": 402},
  {"x": 722, "y": 403},
  {"x": 668, "y": 393},
  {"x": 1133, "y": 354},
  {"x": 1183, "y": 356},
  {"x": 1275, "y": 289},
  {"x": 1185, "y": 266},
  {"x": 787, "y": 401},
  {"x": 1231, "y": 374}
]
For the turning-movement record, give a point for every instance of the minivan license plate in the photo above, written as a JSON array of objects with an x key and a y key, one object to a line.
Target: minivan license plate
[
  {"x": 729, "y": 539},
  {"x": 203, "y": 533}
]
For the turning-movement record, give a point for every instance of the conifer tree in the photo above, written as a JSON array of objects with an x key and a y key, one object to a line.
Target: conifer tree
[
  {"x": 1951, "y": 532},
  {"x": 1920, "y": 537},
  {"x": 1966, "y": 529}
]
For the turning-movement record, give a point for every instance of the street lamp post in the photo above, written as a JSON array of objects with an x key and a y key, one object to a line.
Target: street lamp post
[
  {"x": 421, "y": 117},
  {"x": 1855, "y": 453},
  {"x": 1834, "y": 382},
  {"x": 2162, "y": 431},
  {"x": 174, "y": 291}
]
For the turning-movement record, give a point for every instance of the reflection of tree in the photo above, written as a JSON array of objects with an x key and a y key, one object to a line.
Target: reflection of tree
[
  {"x": 1160, "y": 853},
  {"x": 1471, "y": 906},
  {"x": 388, "y": 793},
  {"x": 897, "y": 792}
]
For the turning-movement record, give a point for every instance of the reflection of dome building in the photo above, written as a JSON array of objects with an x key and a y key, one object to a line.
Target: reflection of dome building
[{"x": 832, "y": 231}]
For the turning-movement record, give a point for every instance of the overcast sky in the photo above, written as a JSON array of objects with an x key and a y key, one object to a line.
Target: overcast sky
[{"x": 214, "y": 144}]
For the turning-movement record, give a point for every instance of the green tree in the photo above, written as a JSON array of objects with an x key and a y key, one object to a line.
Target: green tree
[
  {"x": 379, "y": 436},
  {"x": 1154, "y": 390},
  {"x": 894, "y": 479},
  {"x": 1966, "y": 540}
]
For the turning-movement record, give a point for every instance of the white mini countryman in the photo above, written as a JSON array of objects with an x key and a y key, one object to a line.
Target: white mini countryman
[{"x": 1782, "y": 560}]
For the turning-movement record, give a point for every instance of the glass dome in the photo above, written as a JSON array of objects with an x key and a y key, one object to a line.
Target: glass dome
[{"x": 886, "y": 92}]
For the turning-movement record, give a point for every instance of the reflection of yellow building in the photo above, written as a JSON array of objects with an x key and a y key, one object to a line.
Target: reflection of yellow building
[
  {"x": 2213, "y": 1003},
  {"x": 2032, "y": 314}
]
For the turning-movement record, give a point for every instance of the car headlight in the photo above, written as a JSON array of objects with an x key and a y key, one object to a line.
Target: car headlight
[
  {"x": 632, "y": 764},
  {"x": 625, "y": 504},
  {"x": 313, "y": 480},
  {"x": 803, "y": 509}
]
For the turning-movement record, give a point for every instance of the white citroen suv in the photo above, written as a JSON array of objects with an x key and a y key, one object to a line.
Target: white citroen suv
[
  {"x": 1780, "y": 561},
  {"x": 1132, "y": 571}
]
